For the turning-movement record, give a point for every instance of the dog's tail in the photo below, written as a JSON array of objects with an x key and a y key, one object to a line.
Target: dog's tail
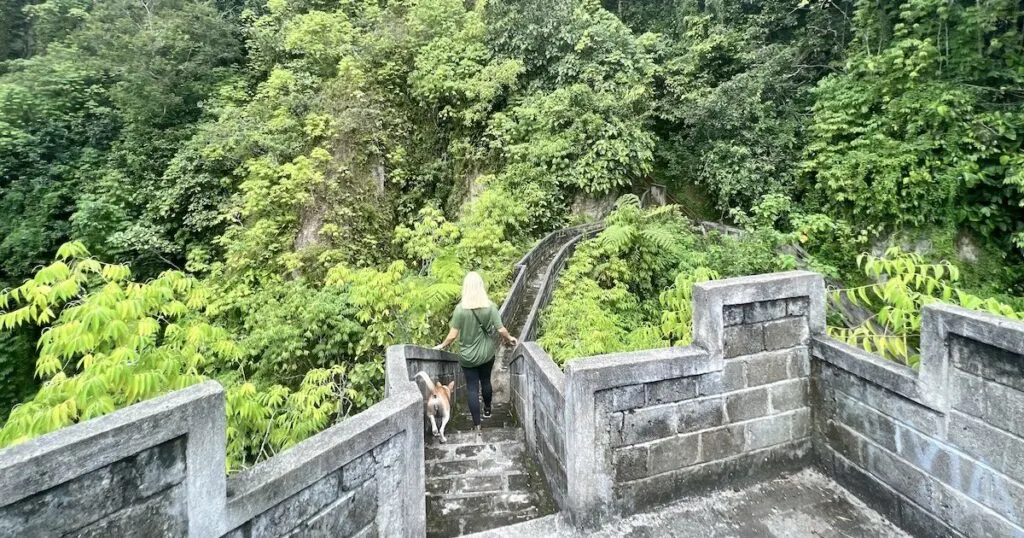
[{"x": 425, "y": 383}]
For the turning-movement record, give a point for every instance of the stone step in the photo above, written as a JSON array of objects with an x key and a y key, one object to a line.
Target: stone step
[
  {"x": 501, "y": 417},
  {"x": 466, "y": 468},
  {"x": 458, "y": 525},
  {"x": 481, "y": 480},
  {"x": 500, "y": 451}
]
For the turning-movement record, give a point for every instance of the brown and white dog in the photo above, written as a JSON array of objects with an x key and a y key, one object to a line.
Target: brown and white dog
[{"x": 437, "y": 401}]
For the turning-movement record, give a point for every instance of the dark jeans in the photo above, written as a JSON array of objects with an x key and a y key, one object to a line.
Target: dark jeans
[{"x": 477, "y": 377}]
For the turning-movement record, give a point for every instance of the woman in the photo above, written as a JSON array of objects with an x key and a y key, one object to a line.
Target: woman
[{"x": 474, "y": 323}]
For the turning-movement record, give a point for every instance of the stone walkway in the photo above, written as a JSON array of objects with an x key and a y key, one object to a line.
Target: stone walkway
[
  {"x": 803, "y": 505},
  {"x": 483, "y": 480},
  {"x": 517, "y": 318},
  {"x": 489, "y": 479}
]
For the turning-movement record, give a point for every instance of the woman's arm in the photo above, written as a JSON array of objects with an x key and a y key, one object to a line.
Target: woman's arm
[
  {"x": 452, "y": 335},
  {"x": 512, "y": 341}
]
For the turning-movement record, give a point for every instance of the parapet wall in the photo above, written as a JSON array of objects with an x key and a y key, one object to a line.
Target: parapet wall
[
  {"x": 538, "y": 395},
  {"x": 672, "y": 422},
  {"x": 513, "y": 303},
  {"x": 157, "y": 469},
  {"x": 939, "y": 452},
  {"x": 763, "y": 391}
]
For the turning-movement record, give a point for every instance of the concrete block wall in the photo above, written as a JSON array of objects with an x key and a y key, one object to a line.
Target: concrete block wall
[
  {"x": 353, "y": 500},
  {"x": 126, "y": 473},
  {"x": 941, "y": 451},
  {"x": 538, "y": 395},
  {"x": 537, "y": 384},
  {"x": 157, "y": 469},
  {"x": 761, "y": 391},
  {"x": 142, "y": 494},
  {"x": 649, "y": 427},
  {"x": 528, "y": 263}
]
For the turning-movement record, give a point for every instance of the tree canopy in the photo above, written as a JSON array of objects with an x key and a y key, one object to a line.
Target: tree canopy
[{"x": 270, "y": 192}]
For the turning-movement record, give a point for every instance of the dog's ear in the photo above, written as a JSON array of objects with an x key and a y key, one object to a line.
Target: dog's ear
[
  {"x": 439, "y": 385},
  {"x": 451, "y": 387}
]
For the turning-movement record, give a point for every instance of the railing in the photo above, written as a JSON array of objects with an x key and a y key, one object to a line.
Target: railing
[{"x": 523, "y": 268}]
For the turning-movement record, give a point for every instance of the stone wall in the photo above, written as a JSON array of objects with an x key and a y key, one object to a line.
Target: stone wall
[
  {"x": 761, "y": 391},
  {"x": 649, "y": 427},
  {"x": 537, "y": 384},
  {"x": 528, "y": 263},
  {"x": 939, "y": 452},
  {"x": 676, "y": 435},
  {"x": 125, "y": 473},
  {"x": 538, "y": 395},
  {"x": 157, "y": 469},
  {"x": 549, "y": 278}
]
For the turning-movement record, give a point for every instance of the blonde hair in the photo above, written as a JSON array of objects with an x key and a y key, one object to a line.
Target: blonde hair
[{"x": 474, "y": 294}]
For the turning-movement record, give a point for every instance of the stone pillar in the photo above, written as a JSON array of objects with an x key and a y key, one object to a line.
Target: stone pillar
[{"x": 741, "y": 316}]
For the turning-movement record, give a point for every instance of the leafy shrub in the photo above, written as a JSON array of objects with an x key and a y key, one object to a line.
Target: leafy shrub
[
  {"x": 630, "y": 287},
  {"x": 110, "y": 342},
  {"x": 902, "y": 283}
]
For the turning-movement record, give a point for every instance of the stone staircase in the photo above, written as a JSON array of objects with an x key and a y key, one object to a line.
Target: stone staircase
[{"x": 482, "y": 480}]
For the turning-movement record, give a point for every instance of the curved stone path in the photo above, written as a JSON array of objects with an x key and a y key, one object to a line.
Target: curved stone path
[
  {"x": 488, "y": 479},
  {"x": 519, "y": 312}
]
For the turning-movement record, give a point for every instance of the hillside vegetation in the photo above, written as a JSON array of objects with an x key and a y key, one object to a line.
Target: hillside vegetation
[{"x": 270, "y": 192}]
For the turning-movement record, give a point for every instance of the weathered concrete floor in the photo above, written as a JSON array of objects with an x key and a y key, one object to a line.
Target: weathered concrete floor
[
  {"x": 806, "y": 504},
  {"x": 483, "y": 480}
]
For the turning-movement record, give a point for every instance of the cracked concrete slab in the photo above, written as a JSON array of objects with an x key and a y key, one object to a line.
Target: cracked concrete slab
[{"x": 803, "y": 505}]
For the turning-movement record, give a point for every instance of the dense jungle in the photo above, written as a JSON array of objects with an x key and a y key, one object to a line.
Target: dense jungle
[{"x": 270, "y": 192}]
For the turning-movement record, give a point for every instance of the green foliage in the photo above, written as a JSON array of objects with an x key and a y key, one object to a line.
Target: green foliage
[
  {"x": 88, "y": 126},
  {"x": 901, "y": 284},
  {"x": 581, "y": 137},
  {"x": 677, "y": 302},
  {"x": 732, "y": 83},
  {"x": 17, "y": 369},
  {"x": 924, "y": 123},
  {"x": 825, "y": 242},
  {"x": 582, "y": 123},
  {"x": 430, "y": 232},
  {"x": 294, "y": 328},
  {"x": 630, "y": 287},
  {"x": 327, "y": 172},
  {"x": 110, "y": 342}
]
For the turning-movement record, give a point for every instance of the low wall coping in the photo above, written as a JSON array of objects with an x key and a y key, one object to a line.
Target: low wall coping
[
  {"x": 396, "y": 369},
  {"x": 263, "y": 486},
  {"x": 898, "y": 378},
  {"x": 68, "y": 453},
  {"x": 633, "y": 367}
]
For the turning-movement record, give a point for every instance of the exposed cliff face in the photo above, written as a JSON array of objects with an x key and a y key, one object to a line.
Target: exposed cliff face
[
  {"x": 594, "y": 206},
  {"x": 351, "y": 202}
]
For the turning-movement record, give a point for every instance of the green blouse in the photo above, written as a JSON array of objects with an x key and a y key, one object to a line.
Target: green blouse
[{"x": 475, "y": 346}]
